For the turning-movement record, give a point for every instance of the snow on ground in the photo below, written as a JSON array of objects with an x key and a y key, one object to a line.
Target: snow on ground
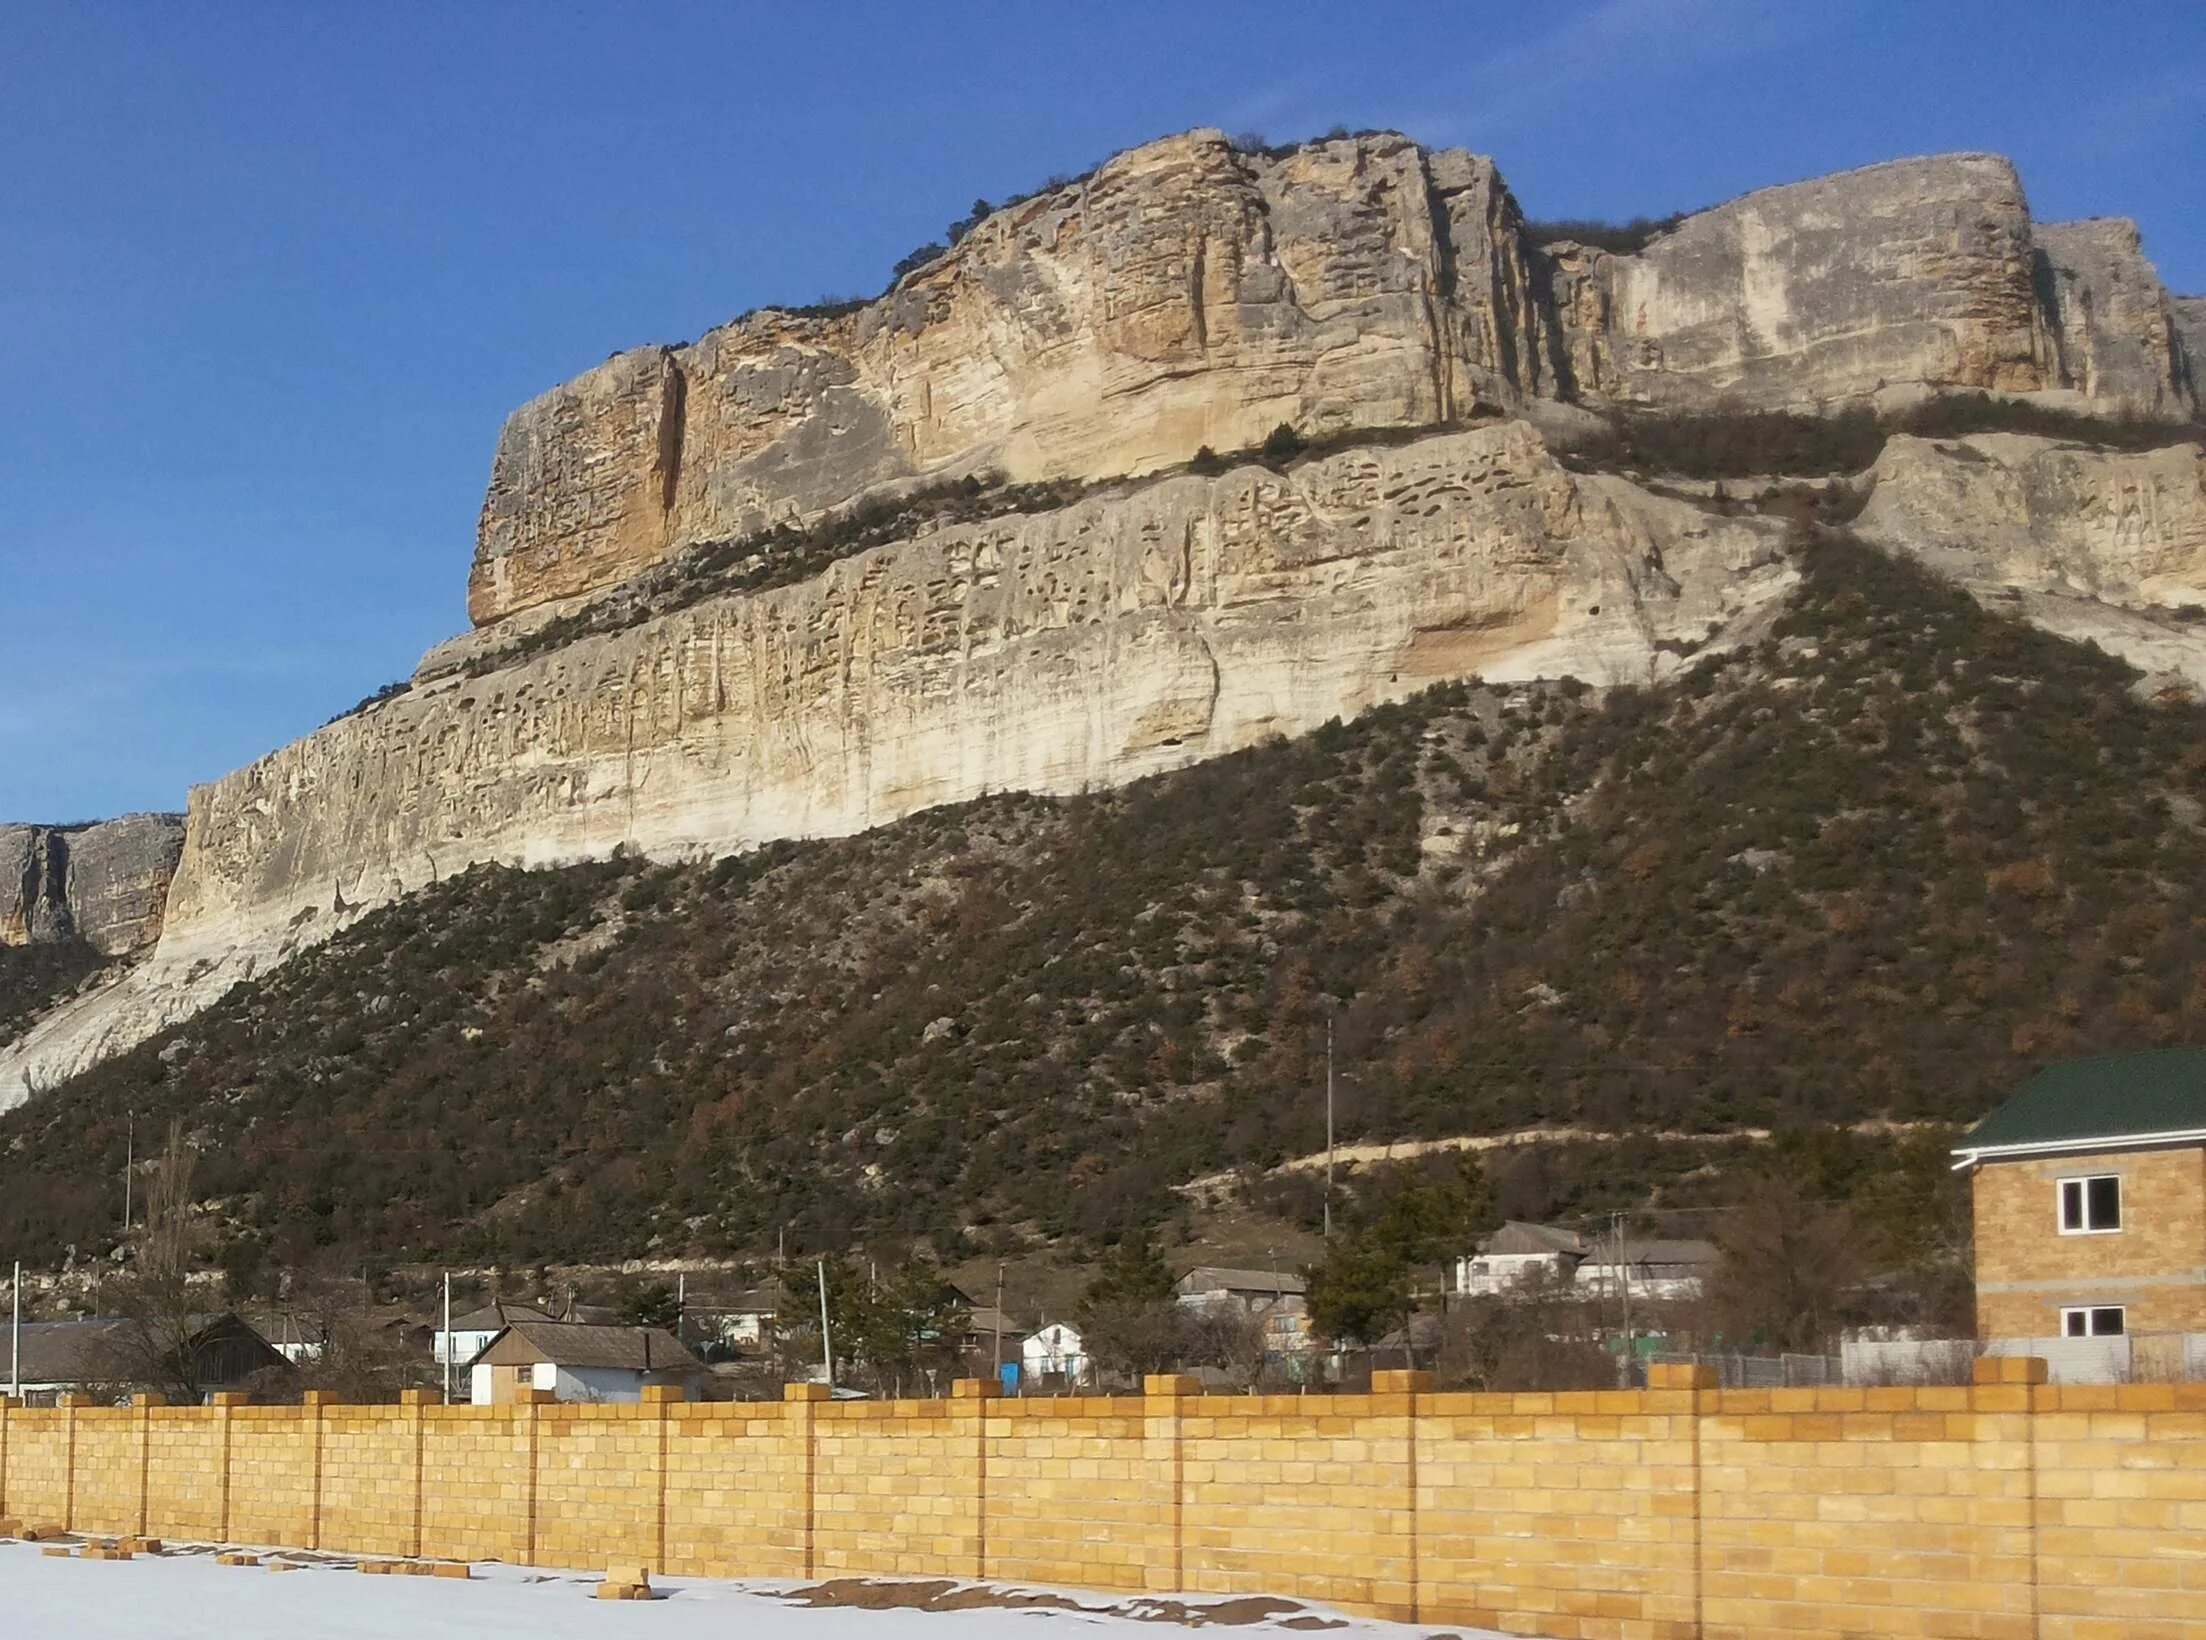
[{"x": 183, "y": 1594}]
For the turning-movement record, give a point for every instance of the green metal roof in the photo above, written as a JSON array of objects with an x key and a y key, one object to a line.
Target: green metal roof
[{"x": 2115, "y": 1096}]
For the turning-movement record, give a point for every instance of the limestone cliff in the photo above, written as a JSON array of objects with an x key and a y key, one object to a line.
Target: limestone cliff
[
  {"x": 1116, "y": 637},
  {"x": 2189, "y": 314},
  {"x": 2090, "y": 543},
  {"x": 1184, "y": 294},
  {"x": 106, "y": 884},
  {"x": 1188, "y": 294},
  {"x": 1916, "y": 275},
  {"x": 2112, "y": 325}
]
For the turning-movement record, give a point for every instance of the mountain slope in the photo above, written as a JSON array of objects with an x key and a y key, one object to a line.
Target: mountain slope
[{"x": 1873, "y": 866}]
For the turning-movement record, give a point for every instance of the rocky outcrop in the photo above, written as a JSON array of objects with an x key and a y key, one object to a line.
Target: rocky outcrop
[
  {"x": 1183, "y": 295},
  {"x": 2189, "y": 314},
  {"x": 1187, "y": 294},
  {"x": 1886, "y": 282},
  {"x": 2112, "y": 325},
  {"x": 104, "y": 884},
  {"x": 1116, "y": 637},
  {"x": 2090, "y": 543}
]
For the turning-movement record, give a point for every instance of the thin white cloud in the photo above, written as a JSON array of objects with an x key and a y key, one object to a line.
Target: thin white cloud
[{"x": 1641, "y": 41}]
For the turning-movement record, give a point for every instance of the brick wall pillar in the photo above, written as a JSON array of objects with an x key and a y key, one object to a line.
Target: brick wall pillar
[
  {"x": 311, "y": 1404},
  {"x": 528, "y": 1400},
  {"x": 1394, "y": 1396},
  {"x": 144, "y": 1405},
  {"x": 801, "y": 1403},
  {"x": 660, "y": 1400},
  {"x": 225, "y": 1402},
  {"x": 1162, "y": 1395},
  {"x": 1701, "y": 1383},
  {"x": 69, "y": 1405},
  {"x": 969, "y": 1398},
  {"x": 414, "y": 1401},
  {"x": 2006, "y": 1385}
]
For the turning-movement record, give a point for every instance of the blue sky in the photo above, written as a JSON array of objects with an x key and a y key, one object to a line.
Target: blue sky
[{"x": 272, "y": 275}]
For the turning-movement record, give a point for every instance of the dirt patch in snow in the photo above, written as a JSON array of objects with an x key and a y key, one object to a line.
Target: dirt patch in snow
[{"x": 943, "y": 1595}]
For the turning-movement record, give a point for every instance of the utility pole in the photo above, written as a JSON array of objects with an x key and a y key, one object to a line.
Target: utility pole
[
  {"x": 15, "y": 1337},
  {"x": 447, "y": 1338},
  {"x": 998, "y": 1374},
  {"x": 827, "y": 1344},
  {"x": 1328, "y": 1124}
]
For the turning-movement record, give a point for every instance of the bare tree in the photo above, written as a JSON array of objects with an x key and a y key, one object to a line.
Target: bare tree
[
  {"x": 1540, "y": 1335},
  {"x": 157, "y": 1347},
  {"x": 1784, "y": 1269}
]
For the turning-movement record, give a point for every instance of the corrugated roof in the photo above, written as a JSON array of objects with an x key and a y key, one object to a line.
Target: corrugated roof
[
  {"x": 2111, "y": 1097},
  {"x": 586, "y": 1344},
  {"x": 1211, "y": 1278},
  {"x": 494, "y": 1317},
  {"x": 1653, "y": 1250},
  {"x": 1517, "y": 1236},
  {"x": 75, "y": 1352}
]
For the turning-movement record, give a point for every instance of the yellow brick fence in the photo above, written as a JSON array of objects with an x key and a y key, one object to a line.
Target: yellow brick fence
[{"x": 2010, "y": 1508}]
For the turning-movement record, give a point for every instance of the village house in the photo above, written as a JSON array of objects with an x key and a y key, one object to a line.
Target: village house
[
  {"x": 2089, "y": 1188},
  {"x": 579, "y": 1361},
  {"x": 472, "y": 1331},
  {"x": 1053, "y": 1352},
  {"x": 1519, "y": 1252},
  {"x": 109, "y": 1357},
  {"x": 740, "y": 1326},
  {"x": 1279, "y": 1302},
  {"x": 1646, "y": 1267},
  {"x": 1640, "y": 1267}
]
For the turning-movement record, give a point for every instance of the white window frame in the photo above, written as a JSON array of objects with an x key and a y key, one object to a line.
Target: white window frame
[
  {"x": 2087, "y": 1311},
  {"x": 2086, "y": 1180}
]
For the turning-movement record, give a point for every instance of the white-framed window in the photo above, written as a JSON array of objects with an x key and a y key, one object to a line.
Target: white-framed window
[
  {"x": 2091, "y": 1205},
  {"x": 2093, "y": 1321}
]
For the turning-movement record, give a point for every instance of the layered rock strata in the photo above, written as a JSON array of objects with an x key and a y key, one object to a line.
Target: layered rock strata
[
  {"x": 106, "y": 884},
  {"x": 1049, "y": 652},
  {"x": 2089, "y": 543},
  {"x": 1183, "y": 295},
  {"x": 1187, "y": 294}
]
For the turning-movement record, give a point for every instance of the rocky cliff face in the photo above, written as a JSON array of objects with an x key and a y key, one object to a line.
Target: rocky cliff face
[
  {"x": 1912, "y": 276},
  {"x": 1119, "y": 636},
  {"x": 105, "y": 884},
  {"x": 2189, "y": 316},
  {"x": 1187, "y": 294},
  {"x": 2091, "y": 544},
  {"x": 1183, "y": 295}
]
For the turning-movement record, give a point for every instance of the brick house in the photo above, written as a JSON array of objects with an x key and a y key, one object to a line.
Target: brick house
[{"x": 2090, "y": 1209}]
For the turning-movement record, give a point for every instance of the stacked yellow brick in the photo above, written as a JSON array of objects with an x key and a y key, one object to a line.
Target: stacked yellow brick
[
  {"x": 1828, "y": 1513},
  {"x": 107, "y": 1470},
  {"x": 184, "y": 1473},
  {"x": 37, "y": 1479},
  {"x": 368, "y": 1479},
  {"x": 1071, "y": 1497},
  {"x": 896, "y": 1488},
  {"x": 2121, "y": 1511},
  {"x": 1570, "y": 1515},
  {"x": 475, "y": 1482},
  {"x": 1307, "y": 1496},
  {"x": 597, "y": 1485},
  {"x": 735, "y": 1489},
  {"x": 272, "y": 1476}
]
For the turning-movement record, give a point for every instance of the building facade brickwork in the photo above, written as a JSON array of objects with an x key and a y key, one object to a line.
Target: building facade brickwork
[{"x": 2028, "y": 1271}]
